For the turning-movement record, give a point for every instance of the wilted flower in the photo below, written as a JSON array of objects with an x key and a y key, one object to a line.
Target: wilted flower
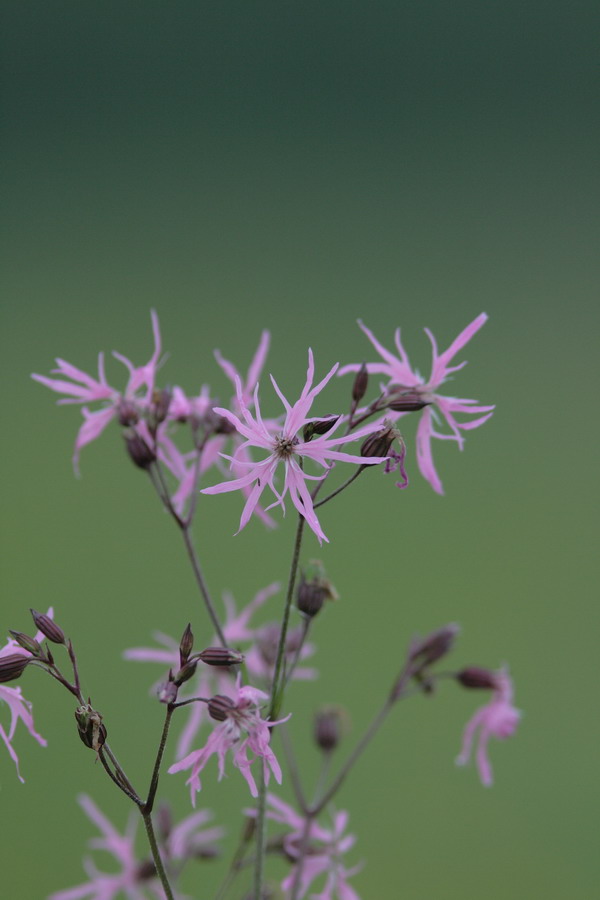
[
  {"x": 498, "y": 719},
  {"x": 285, "y": 447},
  {"x": 238, "y": 714},
  {"x": 404, "y": 378}
]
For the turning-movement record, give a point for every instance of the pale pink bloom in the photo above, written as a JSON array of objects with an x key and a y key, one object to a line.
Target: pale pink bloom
[
  {"x": 498, "y": 719},
  {"x": 287, "y": 447},
  {"x": 241, "y": 455},
  {"x": 80, "y": 387},
  {"x": 398, "y": 369},
  {"x": 326, "y": 849},
  {"x": 242, "y": 717},
  {"x": 134, "y": 880},
  {"x": 183, "y": 466},
  {"x": 20, "y": 708}
]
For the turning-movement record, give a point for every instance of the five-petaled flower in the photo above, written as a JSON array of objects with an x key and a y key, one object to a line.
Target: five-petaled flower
[
  {"x": 498, "y": 719},
  {"x": 137, "y": 879},
  {"x": 404, "y": 378},
  {"x": 287, "y": 447},
  {"x": 83, "y": 388},
  {"x": 325, "y": 849},
  {"x": 238, "y": 715}
]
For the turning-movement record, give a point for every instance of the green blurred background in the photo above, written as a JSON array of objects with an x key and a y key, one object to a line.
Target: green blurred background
[{"x": 240, "y": 165}]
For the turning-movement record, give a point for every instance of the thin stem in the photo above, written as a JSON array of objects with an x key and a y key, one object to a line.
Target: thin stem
[
  {"x": 199, "y": 445},
  {"x": 189, "y": 546},
  {"x": 148, "y": 805},
  {"x": 292, "y": 767},
  {"x": 160, "y": 869},
  {"x": 339, "y": 490},
  {"x": 261, "y": 833},
  {"x": 116, "y": 779}
]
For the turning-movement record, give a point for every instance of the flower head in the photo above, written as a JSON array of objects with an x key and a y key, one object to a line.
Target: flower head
[
  {"x": 286, "y": 446},
  {"x": 326, "y": 848},
  {"x": 402, "y": 377},
  {"x": 137, "y": 878},
  {"x": 79, "y": 387},
  {"x": 498, "y": 719},
  {"x": 241, "y": 729}
]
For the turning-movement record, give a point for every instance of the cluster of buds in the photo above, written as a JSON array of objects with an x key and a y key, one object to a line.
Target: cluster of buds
[
  {"x": 211, "y": 656},
  {"x": 314, "y": 589},
  {"x": 12, "y": 665}
]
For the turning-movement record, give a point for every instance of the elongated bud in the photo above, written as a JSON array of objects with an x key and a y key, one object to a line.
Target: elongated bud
[
  {"x": 400, "y": 399},
  {"x": 314, "y": 589},
  {"x": 89, "y": 724},
  {"x": 161, "y": 400},
  {"x": 219, "y": 707},
  {"x": 139, "y": 452},
  {"x": 48, "y": 628},
  {"x": 431, "y": 648},
  {"x": 186, "y": 672},
  {"x": 27, "y": 643},
  {"x": 185, "y": 645},
  {"x": 318, "y": 427},
  {"x": 361, "y": 383},
  {"x": 12, "y": 666},
  {"x": 475, "y": 677},
  {"x": 221, "y": 656},
  {"x": 330, "y": 722},
  {"x": 379, "y": 443}
]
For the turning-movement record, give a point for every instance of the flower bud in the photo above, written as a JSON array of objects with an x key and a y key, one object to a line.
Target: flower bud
[
  {"x": 475, "y": 677},
  {"x": 361, "y": 382},
  {"x": 48, "y": 628},
  {"x": 89, "y": 724},
  {"x": 186, "y": 672},
  {"x": 219, "y": 707},
  {"x": 329, "y": 725},
  {"x": 140, "y": 453},
  {"x": 379, "y": 443},
  {"x": 167, "y": 691},
  {"x": 318, "y": 427},
  {"x": 221, "y": 656},
  {"x": 401, "y": 399},
  {"x": 185, "y": 645},
  {"x": 161, "y": 400},
  {"x": 431, "y": 648},
  {"x": 127, "y": 413},
  {"x": 12, "y": 666},
  {"x": 314, "y": 589},
  {"x": 27, "y": 643}
]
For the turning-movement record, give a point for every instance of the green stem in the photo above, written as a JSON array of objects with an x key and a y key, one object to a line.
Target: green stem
[
  {"x": 160, "y": 869},
  {"x": 149, "y": 804}
]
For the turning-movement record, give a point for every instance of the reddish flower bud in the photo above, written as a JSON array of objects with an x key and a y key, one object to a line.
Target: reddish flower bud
[
  {"x": 185, "y": 645},
  {"x": 329, "y": 726},
  {"x": 140, "y": 453},
  {"x": 361, "y": 382},
  {"x": 319, "y": 427},
  {"x": 27, "y": 643},
  {"x": 186, "y": 672},
  {"x": 48, "y": 628},
  {"x": 431, "y": 648},
  {"x": 219, "y": 707},
  {"x": 379, "y": 443},
  {"x": 401, "y": 399},
  {"x": 221, "y": 656},
  {"x": 12, "y": 666},
  {"x": 475, "y": 677},
  {"x": 314, "y": 589}
]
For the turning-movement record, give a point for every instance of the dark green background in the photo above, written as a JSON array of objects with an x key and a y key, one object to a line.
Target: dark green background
[{"x": 241, "y": 165}]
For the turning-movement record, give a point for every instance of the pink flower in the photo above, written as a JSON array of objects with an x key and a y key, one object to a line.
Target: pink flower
[
  {"x": 136, "y": 879},
  {"x": 238, "y": 715},
  {"x": 20, "y": 708},
  {"x": 402, "y": 375},
  {"x": 498, "y": 718},
  {"x": 83, "y": 388},
  {"x": 285, "y": 446},
  {"x": 326, "y": 847}
]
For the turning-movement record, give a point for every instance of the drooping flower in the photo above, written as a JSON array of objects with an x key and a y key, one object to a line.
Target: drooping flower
[
  {"x": 20, "y": 708},
  {"x": 137, "y": 878},
  {"x": 286, "y": 446},
  {"x": 498, "y": 719},
  {"x": 402, "y": 377},
  {"x": 238, "y": 713},
  {"x": 324, "y": 855},
  {"x": 79, "y": 387}
]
